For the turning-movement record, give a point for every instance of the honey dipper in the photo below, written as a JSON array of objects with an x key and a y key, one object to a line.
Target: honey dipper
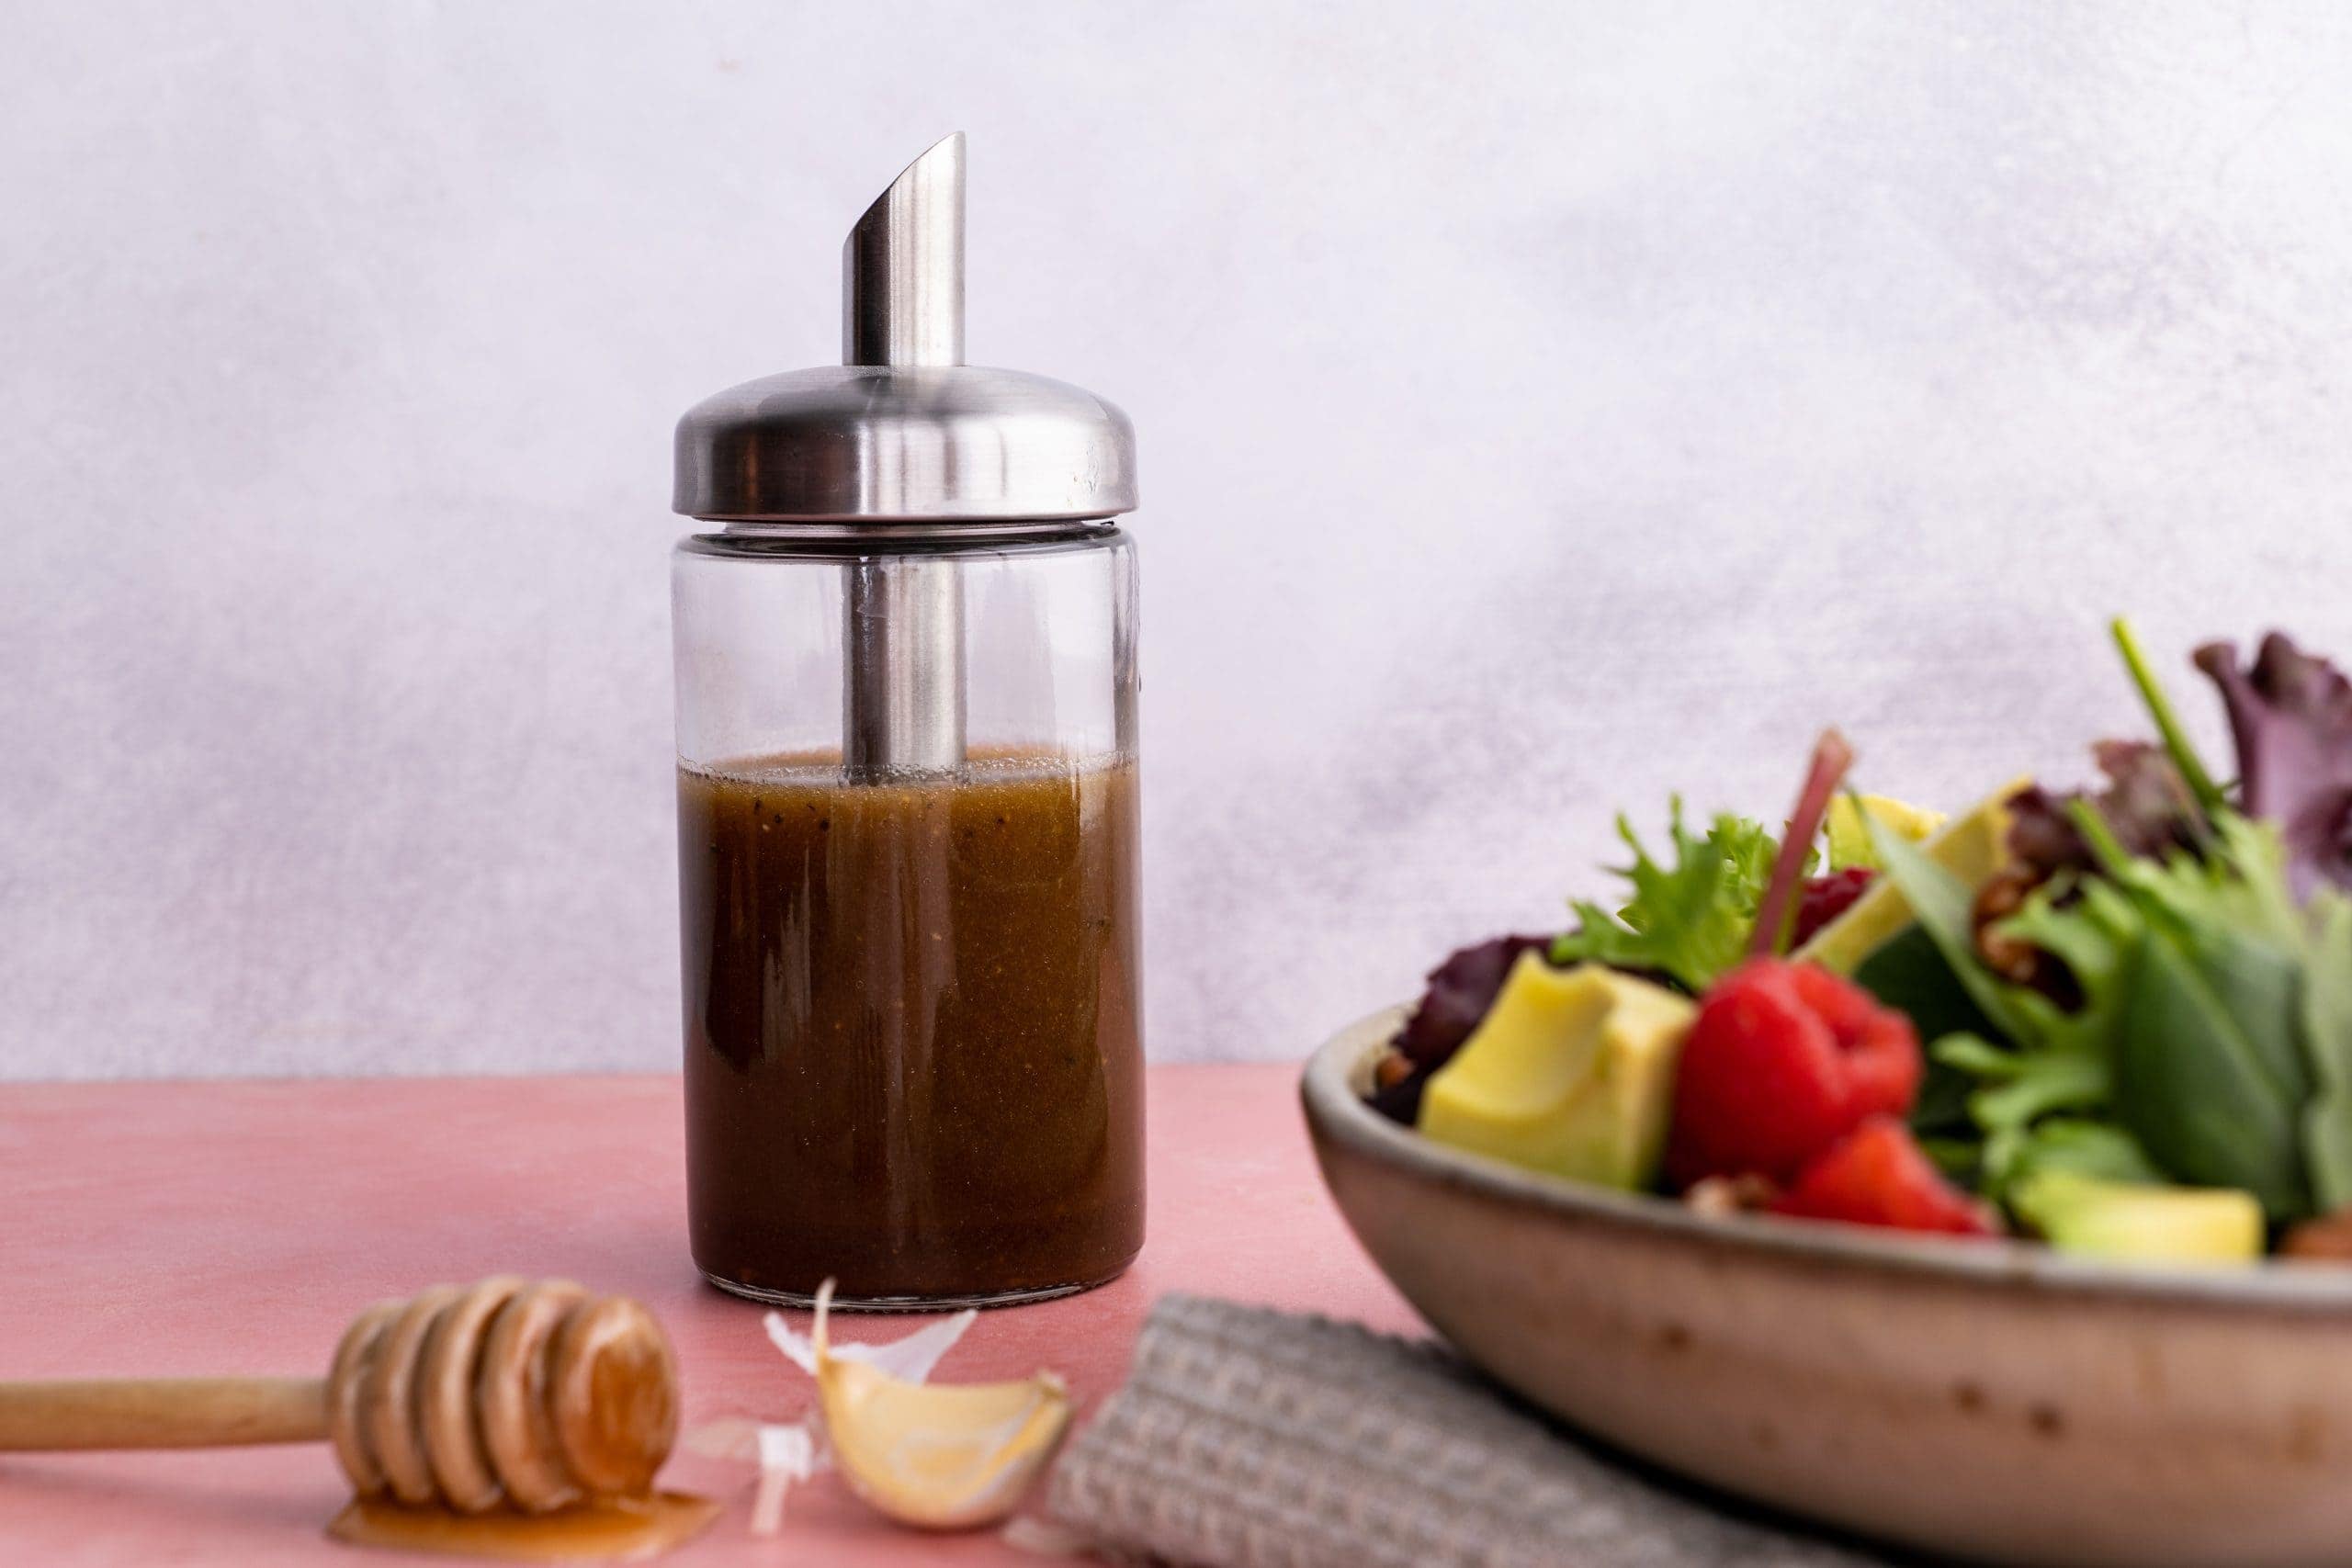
[{"x": 533, "y": 1395}]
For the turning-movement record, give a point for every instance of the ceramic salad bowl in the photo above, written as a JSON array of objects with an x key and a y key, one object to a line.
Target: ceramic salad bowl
[{"x": 1978, "y": 1399}]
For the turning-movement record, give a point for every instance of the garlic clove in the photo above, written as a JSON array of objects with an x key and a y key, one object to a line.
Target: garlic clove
[{"x": 935, "y": 1456}]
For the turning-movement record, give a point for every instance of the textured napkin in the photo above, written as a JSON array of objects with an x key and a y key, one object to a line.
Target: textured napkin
[{"x": 1251, "y": 1439}]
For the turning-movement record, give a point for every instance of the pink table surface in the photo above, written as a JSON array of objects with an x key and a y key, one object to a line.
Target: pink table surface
[{"x": 235, "y": 1228}]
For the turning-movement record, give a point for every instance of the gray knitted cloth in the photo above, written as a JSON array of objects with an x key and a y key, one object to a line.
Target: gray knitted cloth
[{"x": 1251, "y": 1439}]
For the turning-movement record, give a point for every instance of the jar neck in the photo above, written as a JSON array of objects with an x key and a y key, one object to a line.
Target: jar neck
[
  {"x": 750, "y": 537},
  {"x": 956, "y": 529}
]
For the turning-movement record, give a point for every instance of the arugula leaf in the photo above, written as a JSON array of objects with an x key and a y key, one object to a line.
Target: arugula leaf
[{"x": 1689, "y": 921}]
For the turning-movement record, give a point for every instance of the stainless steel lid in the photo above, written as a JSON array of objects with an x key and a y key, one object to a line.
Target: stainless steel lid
[{"x": 903, "y": 430}]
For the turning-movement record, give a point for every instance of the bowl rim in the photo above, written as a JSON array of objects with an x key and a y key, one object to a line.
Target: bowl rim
[{"x": 1329, "y": 1093}]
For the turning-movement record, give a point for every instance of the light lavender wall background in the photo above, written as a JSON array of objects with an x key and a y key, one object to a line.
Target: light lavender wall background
[{"x": 1544, "y": 407}]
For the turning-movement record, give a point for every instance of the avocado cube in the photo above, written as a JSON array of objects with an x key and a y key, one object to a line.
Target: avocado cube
[
  {"x": 2131, "y": 1219},
  {"x": 1571, "y": 1072}
]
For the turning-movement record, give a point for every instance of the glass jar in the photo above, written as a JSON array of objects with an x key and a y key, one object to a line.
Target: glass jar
[
  {"x": 907, "y": 807},
  {"x": 913, "y": 1053}
]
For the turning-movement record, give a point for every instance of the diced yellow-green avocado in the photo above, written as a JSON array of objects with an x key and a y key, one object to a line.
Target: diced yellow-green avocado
[
  {"x": 1972, "y": 848},
  {"x": 1572, "y": 1072},
  {"x": 1849, "y": 840},
  {"x": 2152, "y": 1224}
]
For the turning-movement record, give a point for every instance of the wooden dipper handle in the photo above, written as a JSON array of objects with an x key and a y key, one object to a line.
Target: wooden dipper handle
[
  {"x": 162, "y": 1413},
  {"x": 505, "y": 1394}
]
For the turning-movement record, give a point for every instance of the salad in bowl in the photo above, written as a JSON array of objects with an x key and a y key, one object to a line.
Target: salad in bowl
[{"x": 2115, "y": 1020}]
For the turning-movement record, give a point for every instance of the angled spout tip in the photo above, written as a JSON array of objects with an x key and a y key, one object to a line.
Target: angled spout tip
[{"x": 902, "y": 267}]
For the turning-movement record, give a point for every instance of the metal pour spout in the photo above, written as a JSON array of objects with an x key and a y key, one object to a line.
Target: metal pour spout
[
  {"x": 902, "y": 306},
  {"x": 902, "y": 267}
]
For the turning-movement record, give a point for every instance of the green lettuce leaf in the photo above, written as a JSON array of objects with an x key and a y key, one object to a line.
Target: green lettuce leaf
[
  {"x": 2086, "y": 1147},
  {"x": 2211, "y": 1071},
  {"x": 2017, "y": 1089},
  {"x": 2027, "y": 1057},
  {"x": 2327, "y": 1039},
  {"x": 1689, "y": 920}
]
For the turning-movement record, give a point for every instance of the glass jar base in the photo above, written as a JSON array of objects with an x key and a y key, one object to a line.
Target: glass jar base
[{"x": 806, "y": 1302}]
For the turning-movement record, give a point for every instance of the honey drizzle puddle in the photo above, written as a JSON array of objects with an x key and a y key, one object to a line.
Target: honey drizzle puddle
[{"x": 630, "y": 1530}]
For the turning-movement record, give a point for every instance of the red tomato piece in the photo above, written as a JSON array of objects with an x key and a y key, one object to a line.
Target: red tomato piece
[
  {"x": 1783, "y": 1060},
  {"x": 1878, "y": 1175}
]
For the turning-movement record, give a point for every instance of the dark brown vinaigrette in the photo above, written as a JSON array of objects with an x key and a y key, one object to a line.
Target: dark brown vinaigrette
[
  {"x": 914, "y": 1058},
  {"x": 623, "y": 1529}
]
